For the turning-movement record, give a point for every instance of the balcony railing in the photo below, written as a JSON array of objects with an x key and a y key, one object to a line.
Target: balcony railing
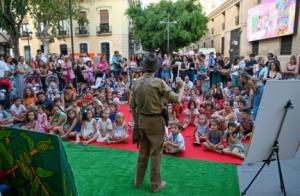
[
  {"x": 104, "y": 29},
  {"x": 25, "y": 34},
  {"x": 82, "y": 30},
  {"x": 63, "y": 32},
  {"x": 237, "y": 20}
]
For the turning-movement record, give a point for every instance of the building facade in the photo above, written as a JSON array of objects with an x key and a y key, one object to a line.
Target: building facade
[
  {"x": 227, "y": 33},
  {"x": 106, "y": 31}
]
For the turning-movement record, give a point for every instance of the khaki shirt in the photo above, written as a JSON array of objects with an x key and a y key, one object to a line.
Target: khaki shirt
[{"x": 148, "y": 94}]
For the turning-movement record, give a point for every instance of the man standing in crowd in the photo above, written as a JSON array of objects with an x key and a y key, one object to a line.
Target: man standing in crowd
[
  {"x": 250, "y": 64},
  {"x": 148, "y": 94},
  {"x": 117, "y": 64}
]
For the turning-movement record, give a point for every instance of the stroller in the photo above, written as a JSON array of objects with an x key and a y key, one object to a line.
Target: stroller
[
  {"x": 33, "y": 81},
  {"x": 52, "y": 83},
  {"x": 5, "y": 88}
]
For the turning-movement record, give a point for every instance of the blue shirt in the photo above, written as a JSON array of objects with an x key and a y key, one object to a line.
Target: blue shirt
[
  {"x": 249, "y": 64},
  {"x": 115, "y": 61}
]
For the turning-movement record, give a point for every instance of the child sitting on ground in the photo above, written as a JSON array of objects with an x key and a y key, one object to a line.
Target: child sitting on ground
[
  {"x": 175, "y": 141},
  {"x": 88, "y": 129},
  {"x": 18, "y": 110},
  {"x": 42, "y": 119},
  {"x": 191, "y": 114},
  {"x": 31, "y": 121},
  {"x": 72, "y": 126},
  {"x": 59, "y": 119},
  {"x": 105, "y": 127},
  {"x": 214, "y": 140},
  {"x": 246, "y": 123},
  {"x": 120, "y": 131},
  {"x": 5, "y": 118},
  {"x": 201, "y": 130},
  {"x": 234, "y": 144},
  {"x": 207, "y": 109}
]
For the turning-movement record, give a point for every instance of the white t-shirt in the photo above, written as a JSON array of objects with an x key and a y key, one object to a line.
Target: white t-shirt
[
  {"x": 178, "y": 139},
  {"x": 18, "y": 110},
  {"x": 3, "y": 68}
]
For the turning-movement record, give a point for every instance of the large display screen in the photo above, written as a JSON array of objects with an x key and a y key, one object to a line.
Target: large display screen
[{"x": 270, "y": 19}]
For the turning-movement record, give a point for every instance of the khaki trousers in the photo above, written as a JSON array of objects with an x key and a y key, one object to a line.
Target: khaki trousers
[{"x": 150, "y": 146}]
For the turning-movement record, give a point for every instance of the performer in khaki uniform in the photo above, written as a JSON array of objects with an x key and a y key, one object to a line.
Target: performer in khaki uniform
[{"x": 147, "y": 98}]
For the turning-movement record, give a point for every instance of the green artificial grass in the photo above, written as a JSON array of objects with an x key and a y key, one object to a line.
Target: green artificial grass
[{"x": 108, "y": 171}]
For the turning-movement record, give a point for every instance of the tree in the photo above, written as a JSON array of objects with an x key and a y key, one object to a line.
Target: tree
[
  {"x": 191, "y": 23},
  {"x": 47, "y": 15},
  {"x": 12, "y": 13}
]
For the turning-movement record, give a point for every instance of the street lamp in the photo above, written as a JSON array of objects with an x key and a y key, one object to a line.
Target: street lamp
[
  {"x": 168, "y": 22},
  {"x": 28, "y": 45}
]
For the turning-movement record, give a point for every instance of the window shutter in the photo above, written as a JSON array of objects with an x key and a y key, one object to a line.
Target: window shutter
[{"x": 104, "y": 18}]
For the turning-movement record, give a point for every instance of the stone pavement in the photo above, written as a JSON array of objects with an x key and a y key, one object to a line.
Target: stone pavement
[{"x": 267, "y": 183}]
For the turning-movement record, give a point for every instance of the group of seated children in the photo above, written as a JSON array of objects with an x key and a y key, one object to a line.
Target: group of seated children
[{"x": 218, "y": 119}]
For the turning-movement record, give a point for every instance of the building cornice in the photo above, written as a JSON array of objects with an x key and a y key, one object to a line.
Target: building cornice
[{"x": 219, "y": 10}]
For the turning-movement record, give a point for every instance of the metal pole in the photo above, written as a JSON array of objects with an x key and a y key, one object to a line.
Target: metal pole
[
  {"x": 168, "y": 30},
  {"x": 71, "y": 29},
  {"x": 29, "y": 49},
  {"x": 72, "y": 37}
]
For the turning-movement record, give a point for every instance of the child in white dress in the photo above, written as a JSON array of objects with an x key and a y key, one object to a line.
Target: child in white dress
[
  {"x": 88, "y": 128},
  {"x": 104, "y": 127},
  {"x": 120, "y": 131}
]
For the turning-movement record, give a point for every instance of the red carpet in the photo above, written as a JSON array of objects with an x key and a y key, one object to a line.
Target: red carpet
[{"x": 193, "y": 152}]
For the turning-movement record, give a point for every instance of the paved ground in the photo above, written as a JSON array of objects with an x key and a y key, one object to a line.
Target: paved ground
[{"x": 267, "y": 183}]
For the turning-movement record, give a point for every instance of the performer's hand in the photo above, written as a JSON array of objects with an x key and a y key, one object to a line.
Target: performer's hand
[{"x": 179, "y": 82}]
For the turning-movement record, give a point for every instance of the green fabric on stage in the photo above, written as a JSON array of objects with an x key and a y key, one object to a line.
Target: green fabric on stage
[
  {"x": 34, "y": 163},
  {"x": 108, "y": 171}
]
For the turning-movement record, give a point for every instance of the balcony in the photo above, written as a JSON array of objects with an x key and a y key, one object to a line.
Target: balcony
[
  {"x": 61, "y": 33},
  {"x": 82, "y": 31},
  {"x": 104, "y": 29},
  {"x": 25, "y": 35},
  {"x": 237, "y": 20},
  {"x": 223, "y": 26}
]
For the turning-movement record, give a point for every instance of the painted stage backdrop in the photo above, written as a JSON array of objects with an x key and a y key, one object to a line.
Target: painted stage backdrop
[{"x": 33, "y": 163}]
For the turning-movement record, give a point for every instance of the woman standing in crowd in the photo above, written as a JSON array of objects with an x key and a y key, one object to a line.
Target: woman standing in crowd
[
  {"x": 21, "y": 70},
  {"x": 291, "y": 69}
]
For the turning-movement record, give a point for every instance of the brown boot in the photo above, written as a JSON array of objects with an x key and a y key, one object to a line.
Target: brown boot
[{"x": 163, "y": 184}]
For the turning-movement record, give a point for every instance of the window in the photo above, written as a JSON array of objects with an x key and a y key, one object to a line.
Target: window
[
  {"x": 63, "y": 25},
  {"x": 63, "y": 49},
  {"x": 104, "y": 17},
  {"x": 27, "y": 51},
  {"x": 255, "y": 47},
  {"x": 25, "y": 30},
  {"x": 223, "y": 44},
  {"x": 204, "y": 45},
  {"x": 105, "y": 50},
  {"x": 83, "y": 48},
  {"x": 82, "y": 18},
  {"x": 212, "y": 43},
  {"x": 104, "y": 21},
  {"x": 286, "y": 45}
]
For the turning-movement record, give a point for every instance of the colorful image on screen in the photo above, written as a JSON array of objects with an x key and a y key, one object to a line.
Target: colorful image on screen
[{"x": 270, "y": 19}]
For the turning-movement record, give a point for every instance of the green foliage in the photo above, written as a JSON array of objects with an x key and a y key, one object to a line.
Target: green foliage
[
  {"x": 191, "y": 23},
  {"x": 50, "y": 13},
  {"x": 11, "y": 14},
  {"x": 43, "y": 173}
]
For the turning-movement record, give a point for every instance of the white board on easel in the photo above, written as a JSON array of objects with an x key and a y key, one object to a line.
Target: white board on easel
[{"x": 276, "y": 94}]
